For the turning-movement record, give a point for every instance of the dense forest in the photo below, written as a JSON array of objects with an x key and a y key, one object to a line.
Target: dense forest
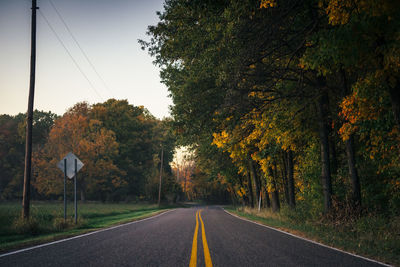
[
  {"x": 120, "y": 145},
  {"x": 294, "y": 103}
]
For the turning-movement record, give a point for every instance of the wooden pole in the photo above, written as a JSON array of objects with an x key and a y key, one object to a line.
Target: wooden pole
[
  {"x": 29, "y": 120},
  {"x": 159, "y": 186}
]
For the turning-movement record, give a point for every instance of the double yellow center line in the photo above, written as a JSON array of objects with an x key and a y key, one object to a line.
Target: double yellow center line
[{"x": 193, "y": 257}]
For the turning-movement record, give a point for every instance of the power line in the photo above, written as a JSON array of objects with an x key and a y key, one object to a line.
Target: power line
[
  {"x": 70, "y": 55},
  {"x": 80, "y": 48}
]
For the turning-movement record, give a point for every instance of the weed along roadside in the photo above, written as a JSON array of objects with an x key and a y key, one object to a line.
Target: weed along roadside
[
  {"x": 365, "y": 237},
  {"x": 47, "y": 222}
]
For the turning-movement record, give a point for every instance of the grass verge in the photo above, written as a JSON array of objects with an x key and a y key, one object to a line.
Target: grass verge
[
  {"x": 368, "y": 236},
  {"x": 47, "y": 222}
]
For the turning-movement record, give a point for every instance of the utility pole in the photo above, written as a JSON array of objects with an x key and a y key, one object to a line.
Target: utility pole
[
  {"x": 29, "y": 120},
  {"x": 184, "y": 176},
  {"x": 161, "y": 166}
]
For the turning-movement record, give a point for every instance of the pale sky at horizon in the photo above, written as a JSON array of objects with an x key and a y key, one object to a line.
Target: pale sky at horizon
[{"x": 107, "y": 30}]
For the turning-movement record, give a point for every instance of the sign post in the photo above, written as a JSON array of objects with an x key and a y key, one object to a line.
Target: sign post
[
  {"x": 76, "y": 177},
  {"x": 70, "y": 165},
  {"x": 65, "y": 189}
]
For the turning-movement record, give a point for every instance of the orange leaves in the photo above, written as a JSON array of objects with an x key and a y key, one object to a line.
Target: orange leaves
[
  {"x": 367, "y": 113},
  {"x": 356, "y": 109},
  {"x": 268, "y": 3},
  {"x": 93, "y": 144}
]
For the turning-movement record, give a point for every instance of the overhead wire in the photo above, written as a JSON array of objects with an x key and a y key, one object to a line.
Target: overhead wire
[
  {"x": 70, "y": 55},
  {"x": 80, "y": 47}
]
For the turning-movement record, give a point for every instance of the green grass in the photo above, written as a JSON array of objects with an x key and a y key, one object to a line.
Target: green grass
[
  {"x": 369, "y": 236},
  {"x": 47, "y": 222}
]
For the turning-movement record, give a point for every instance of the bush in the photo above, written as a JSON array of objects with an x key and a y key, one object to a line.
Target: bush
[
  {"x": 59, "y": 224},
  {"x": 26, "y": 226}
]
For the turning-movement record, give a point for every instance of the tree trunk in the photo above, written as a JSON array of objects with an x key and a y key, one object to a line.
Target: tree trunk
[
  {"x": 275, "y": 201},
  {"x": 355, "y": 180},
  {"x": 322, "y": 106},
  {"x": 274, "y": 193},
  {"x": 254, "y": 180},
  {"x": 284, "y": 177},
  {"x": 292, "y": 197},
  {"x": 267, "y": 199},
  {"x": 250, "y": 186},
  {"x": 334, "y": 162},
  {"x": 351, "y": 159}
]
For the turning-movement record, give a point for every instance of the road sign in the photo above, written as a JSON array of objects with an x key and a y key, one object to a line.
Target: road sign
[
  {"x": 70, "y": 157},
  {"x": 70, "y": 165}
]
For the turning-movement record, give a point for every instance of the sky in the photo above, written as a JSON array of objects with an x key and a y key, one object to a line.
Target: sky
[{"x": 106, "y": 30}]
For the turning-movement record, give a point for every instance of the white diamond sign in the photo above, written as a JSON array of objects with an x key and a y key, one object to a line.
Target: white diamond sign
[{"x": 70, "y": 157}]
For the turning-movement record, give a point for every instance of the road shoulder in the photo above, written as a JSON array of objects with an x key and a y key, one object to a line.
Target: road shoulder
[
  {"x": 299, "y": 235},
  {"x": 62, "y": 237}
]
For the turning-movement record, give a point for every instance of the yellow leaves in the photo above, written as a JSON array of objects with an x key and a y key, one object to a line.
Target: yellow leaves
[
  {"x": 268, "y": 3},
  {"x": 259, "y": 94},
  {"x": 220, "y": 139},
  {"x": 242, "y": 170},
  {"x": 264, "y": 164},
  {"x": 337, "y": 11},
  {"x": 252, "y": 66},
  {"x": 241, "y": 192}
]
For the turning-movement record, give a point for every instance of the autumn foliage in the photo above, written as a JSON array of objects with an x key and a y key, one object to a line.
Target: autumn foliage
[
  {"x": 294, "y": 101},
  {"x": 118, "y": 143}
]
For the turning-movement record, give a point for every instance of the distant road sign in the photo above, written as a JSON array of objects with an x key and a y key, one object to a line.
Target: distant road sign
[{"x": 70, "y": 164}]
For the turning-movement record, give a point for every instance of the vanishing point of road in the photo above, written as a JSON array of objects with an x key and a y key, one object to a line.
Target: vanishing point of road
[{"x": 198, "y": 236}]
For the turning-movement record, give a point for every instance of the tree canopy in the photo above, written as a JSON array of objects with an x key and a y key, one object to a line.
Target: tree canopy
[
  {"x": 119, "y": 144},
  {"x": 299, "y": 98}
]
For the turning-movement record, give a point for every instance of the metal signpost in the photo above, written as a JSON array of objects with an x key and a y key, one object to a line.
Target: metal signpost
[
  {"x": 70, "y": 165},
  {"x": 65, "y": 189},
  {"x": 76, "y": 177}
]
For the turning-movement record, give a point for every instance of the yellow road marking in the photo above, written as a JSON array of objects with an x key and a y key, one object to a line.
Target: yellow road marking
[
  {"x": 193, "y": 257},
  {"x": 207, "y": 257}
]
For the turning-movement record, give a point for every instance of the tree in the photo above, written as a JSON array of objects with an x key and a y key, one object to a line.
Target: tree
[
  {"x": 12, "y": 139},
  {"x": 275, "y": 84},
  {"x": 11, "y": 157},
  {"x": 96, "y": 147}
]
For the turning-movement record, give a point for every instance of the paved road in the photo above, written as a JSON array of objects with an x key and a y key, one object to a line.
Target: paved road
[{"x": 170, "y": 240}]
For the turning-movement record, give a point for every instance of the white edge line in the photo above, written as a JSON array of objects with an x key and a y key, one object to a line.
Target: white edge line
[
  {"x": 309, "y": 240},
  {"x": 79, "y": 236}
]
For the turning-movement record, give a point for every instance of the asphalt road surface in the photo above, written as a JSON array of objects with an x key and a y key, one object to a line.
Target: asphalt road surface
[{"x": 199, "y": 236}]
